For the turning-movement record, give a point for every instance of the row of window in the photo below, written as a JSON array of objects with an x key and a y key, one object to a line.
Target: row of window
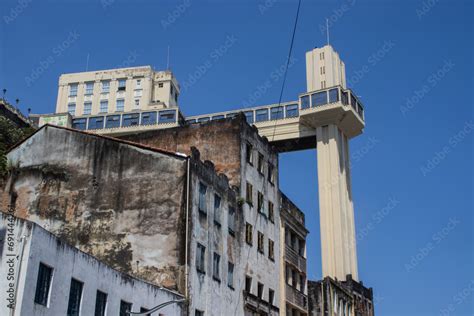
[
  {"x": 104, "y": 106},
  {"x": 294, "y": 242},
  {"x": 250, "y": 158},
  {"x": 42, "y": 293},
  {"x": 216, "y": 265},
  {"x": 270, "y": 214},
  {"x": 294, "y": 278},
  {"x": 260, "y": 290},
  {"x": 125, "y": 120},
  {"x": 260, "y": 241},
  {"x": 105, "y": 86},
  {"x": 217, "y": 209},
  {"x": 259, "y": 115}
]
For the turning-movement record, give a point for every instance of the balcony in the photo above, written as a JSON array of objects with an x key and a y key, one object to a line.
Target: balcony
[
  {"x": 258, "y": 305},
  {"x": 293, "y": 257},
  {"x": 296, "y": 298}
]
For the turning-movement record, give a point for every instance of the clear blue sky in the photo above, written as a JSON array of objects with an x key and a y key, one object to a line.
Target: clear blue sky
[{"x": 410, "y": 61}]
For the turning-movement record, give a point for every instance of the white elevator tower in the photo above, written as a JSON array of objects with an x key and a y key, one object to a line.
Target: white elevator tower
[{"x": 324, "y": 69}]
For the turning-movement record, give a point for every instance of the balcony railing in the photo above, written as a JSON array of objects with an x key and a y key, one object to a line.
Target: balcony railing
[
  {"x": 293, "y": 257},
  {"x": 295, "y": 297}
]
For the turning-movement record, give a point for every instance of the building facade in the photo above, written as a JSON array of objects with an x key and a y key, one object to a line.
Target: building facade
[{"x": 46, "y": 276}]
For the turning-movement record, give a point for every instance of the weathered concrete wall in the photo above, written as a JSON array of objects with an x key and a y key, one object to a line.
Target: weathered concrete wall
[
  {"x": 121, "y": 203},
  {"x": 217, "y": 141},
  {"x": 68, "y": 262}
]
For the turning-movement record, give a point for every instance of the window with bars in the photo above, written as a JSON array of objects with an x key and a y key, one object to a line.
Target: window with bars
[
  {"x": 217, "y": 210},
  {"x": 200, "y": 258},
  {"x": 271, "y": 249},
  {"x": 231, "y": 221},
  {"x": 230, "y": 275},
  {"x": 271, "y": 214},
  {"x": 249, "y": 234},
  {"x": 260, "y": 200},
  {"x": 100, "y": 303},
  {"x": 125, "y": 308},
  {"x": 216, "y": 262},
  {"x": 43, "y": 284},
  {"x": 75, "y": 294},
  {"x": 202, "y": 198},
  {"x": 249, "y": 193},
  {"x": 260, "y": 246}
]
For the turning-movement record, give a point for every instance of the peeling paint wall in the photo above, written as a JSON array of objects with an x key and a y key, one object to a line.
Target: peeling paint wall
[
  {"x": 120, "y": 203},
  {"x": 68, "y": 262}
]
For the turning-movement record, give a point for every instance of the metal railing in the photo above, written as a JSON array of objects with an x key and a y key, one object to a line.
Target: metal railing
[
  {"x": 295, "y": 297},
  {"x": 293, "y": 257}
]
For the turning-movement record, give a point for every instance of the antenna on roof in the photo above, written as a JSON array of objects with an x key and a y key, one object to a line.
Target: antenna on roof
[
  {"x": 87, "y": 62},
  {"x": 168, "y": 59},
  {"x": 327, "y": 29}
]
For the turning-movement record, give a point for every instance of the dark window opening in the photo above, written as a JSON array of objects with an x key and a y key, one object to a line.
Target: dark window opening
[{"x": 43, "y": 284}]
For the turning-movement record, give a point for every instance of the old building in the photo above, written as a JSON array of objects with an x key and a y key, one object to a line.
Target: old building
[
  {"x": 293, "y": 259},
  {"x": 347, "y": 298},
  {"x": 46, "y": 276}
]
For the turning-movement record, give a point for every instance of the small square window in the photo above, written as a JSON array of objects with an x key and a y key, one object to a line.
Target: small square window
[
  {"x": 160, "y": 85},
  {"x": 198, "y": 313}
]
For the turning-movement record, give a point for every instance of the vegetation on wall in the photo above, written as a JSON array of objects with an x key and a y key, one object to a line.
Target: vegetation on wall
[{"x": 10, "y": 134}]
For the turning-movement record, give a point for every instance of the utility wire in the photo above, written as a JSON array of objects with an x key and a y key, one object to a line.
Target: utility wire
[{"x": 288, "y": 61}]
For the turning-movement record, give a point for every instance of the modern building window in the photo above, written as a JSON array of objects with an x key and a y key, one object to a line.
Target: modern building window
[
  {"x": 200, "y": 258},
  {"x": 149, "y": 118},
  {"x": 261, "y": 115},
  {"x": 321, "y": 55},
  {"x": 89, "y": 88},
  {"x": 249, "y": 116},
  {"x": 249, "y": 193},
  {"x": 218, "y": 117},
  {"x": 100, "y": 303},
  {"x": 276, "y": 113},
  {"x": 73, "y": 90},
  {"x": 131, "y": 119},
  {"x": 87, "y": 108},
  {"x": 167, "y": 116},
  {"x": 202, "y": 198},
  {"x": 204, "y": 119},
  {"x": 319, "y": 98},
  {"x": 249, "y": 234},
  {"x": 122, "y": 84},
  {"x": 249, "y": 154},
  {"x": 112, "y": 121},
  {"x": 248, "y": 284},
  {"x": 230, "y": 275},
  {"x": 261, "y": 239},
  {"x": 75, "y": 295},
  {"x": 271, "y": 296},
  {"x": 71, "y": 108},
  {"x": 271, "y": 249},
  {"x": 271, "y": 173},
  {"x": 323, "y": 84},
  {"x": 216, "y": 262},
  {"x": 120, "y": 105},
  {"x": 292, "y": 110},
  {"x": 231, "y": 221},
  {"x": 104, "y": 106},
  {"x": 43, "y": 284},
  {"x": 260, "y": 201},
  {"x": 305, "y": 102},
  {"x": 333, "y": 95},
  {"x": 80, "y": 124},
  {"x": 217, "y": 209},
  {"x": 260, "y": 290},
  {"x": 105, "y": 86},
  {"x": 125, "y": 308},
  {"x": 271, "y": 212},
  {"x": 96, "y": 122},
  {"x": 323, "y": 70},
  {"x": 260, "y": 163}
]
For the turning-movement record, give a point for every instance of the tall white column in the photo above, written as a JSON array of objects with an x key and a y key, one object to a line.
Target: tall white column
[{"x": 338, "y": 246}]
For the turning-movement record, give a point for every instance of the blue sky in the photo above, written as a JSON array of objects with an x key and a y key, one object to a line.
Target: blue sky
[{"x": 411, "y": 62}]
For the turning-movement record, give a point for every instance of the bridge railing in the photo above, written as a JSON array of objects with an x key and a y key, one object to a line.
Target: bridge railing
[{"x": 129, "y": 119}]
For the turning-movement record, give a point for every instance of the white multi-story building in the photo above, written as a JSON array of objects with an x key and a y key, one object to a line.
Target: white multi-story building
[
  {"x": 116, "y": 91},
  {"x": 46, "y": 276}
]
